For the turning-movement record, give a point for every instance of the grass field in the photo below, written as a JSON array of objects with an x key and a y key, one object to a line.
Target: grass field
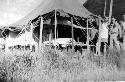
[{"x": 60, "y": 66}]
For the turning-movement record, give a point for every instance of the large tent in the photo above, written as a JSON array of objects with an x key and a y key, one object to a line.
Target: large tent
[{"x": 73, "y": 7}]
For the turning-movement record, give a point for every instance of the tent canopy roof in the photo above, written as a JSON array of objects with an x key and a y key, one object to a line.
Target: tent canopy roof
[{"x": 73, "y": 7}]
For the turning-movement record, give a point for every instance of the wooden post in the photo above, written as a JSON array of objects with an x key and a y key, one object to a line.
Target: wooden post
[
  {"x": 77, "y": 39},
  {"x": 110, "y": 12},
  {"x": 25, "y": 38},
  {"x": 123, "y": 42},
  {"x": 55, "y": 26},
  {"x": 72, "y": 34},
  {"x": 31, "y": 35},
  {"x": 57, "y": 33},
  {"x": 105, "y": 8},
  {"x": 40, "y": 38},
  {"x": 87, "y": 37},
  {"x": 50, "y": 36},
  {"x": 99, "y": 38}
]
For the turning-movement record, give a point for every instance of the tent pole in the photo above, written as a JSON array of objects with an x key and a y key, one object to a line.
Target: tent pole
[
  {"x": 50, "y": 35},
  {"x": 99, "y": 38},
  {"x": 25, "y": 40},
  {"x": 57, "y": 33},
  {"x": 105, "y": 8},
  {"x": 41, "y": 29},
  {"x": 55, "y": 26},
  {"x": 72, "y": 34},
  {"x": 77, "y": 39},
  {"x": 110, "y": 12},
  {"x": 87, "y": 37}
]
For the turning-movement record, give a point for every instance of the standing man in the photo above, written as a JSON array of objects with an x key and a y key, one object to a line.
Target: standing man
[
  {"x": 104, "y": 32},
  {"x": 123, "y": 30},
  {"x": 115, "y": 30}
]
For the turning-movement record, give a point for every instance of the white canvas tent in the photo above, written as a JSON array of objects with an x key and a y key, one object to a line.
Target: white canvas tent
[{"x": 73, "y": 7}]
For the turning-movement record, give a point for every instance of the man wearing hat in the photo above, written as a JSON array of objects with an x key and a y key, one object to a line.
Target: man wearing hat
[
  {"x": 123, "y": 30},
  {"x": 115, "y": 30}
]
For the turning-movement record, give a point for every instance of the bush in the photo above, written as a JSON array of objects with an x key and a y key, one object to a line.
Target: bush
[
  {"x": 14, "y": 67},
  {"x": 114, "y": 58}
]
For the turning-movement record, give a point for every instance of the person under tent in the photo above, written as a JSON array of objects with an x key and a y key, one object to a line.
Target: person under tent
[{"x": 115, "y": 30}]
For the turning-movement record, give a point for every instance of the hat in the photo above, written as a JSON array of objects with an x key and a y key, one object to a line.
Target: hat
[
  {"x": 113, "y": 19},
  {"x": 106, "y": 19}
]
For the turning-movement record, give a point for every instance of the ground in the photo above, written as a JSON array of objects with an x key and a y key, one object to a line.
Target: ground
[{"x": 60, "y": 66}]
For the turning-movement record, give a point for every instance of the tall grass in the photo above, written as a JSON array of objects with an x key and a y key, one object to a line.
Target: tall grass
[{"x": 60, "y": 66}]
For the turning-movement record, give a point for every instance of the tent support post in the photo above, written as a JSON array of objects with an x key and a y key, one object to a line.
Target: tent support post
[
  {"x": 57, "y": 33},
  {"x": 99, "y": 38},
  {"x": 87, "y": 37},
  {"x": 41, "y": 30},
  {"x": 25, "y": 41},
  {"x": 50, "y": 36},
  {"x": 77, "y": 39},
  {"x": 105, "y": 8},
  {"x": 110, "y": 12},
  {"x": 72, "y": 34},
  {"x": 55, "y": 26}
]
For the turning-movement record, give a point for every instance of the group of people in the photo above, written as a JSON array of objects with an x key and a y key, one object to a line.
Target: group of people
[{"x": 111, "y": 32}]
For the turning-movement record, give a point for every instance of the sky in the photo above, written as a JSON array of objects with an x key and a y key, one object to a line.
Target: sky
[{"x": 14, "y": 10}]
